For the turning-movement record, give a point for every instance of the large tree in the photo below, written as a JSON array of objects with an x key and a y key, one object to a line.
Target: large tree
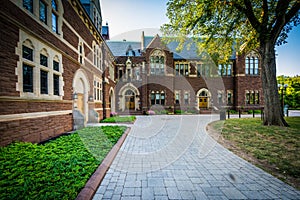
[{"x": 255, "y": 24}]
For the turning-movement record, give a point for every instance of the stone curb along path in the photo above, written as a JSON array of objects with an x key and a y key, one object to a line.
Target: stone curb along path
[{"x": 93, "y": 183}]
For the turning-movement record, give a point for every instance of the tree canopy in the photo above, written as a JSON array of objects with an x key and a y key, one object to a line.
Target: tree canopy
[
  {"x": 239, "y": 25},
  {"x": 224, "y": 24}
]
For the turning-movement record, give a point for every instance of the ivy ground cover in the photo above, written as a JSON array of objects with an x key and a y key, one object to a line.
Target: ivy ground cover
[{"x": 58, "y": 169}]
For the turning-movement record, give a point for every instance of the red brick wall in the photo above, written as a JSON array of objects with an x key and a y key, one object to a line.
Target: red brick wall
[
  {"x": 8, "y": 43},
  {"x": 34, "y": 130}
]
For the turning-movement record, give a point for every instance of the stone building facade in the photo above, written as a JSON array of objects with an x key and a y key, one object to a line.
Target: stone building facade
[{"x": 57, "y": 72}]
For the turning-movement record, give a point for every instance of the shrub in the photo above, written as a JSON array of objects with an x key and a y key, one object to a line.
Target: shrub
[
  {"x": 179, "y": 112},
  {"x": 57, "y": 169},
  {"x": 150, "y": 112},
  {"x": 113, "y": 114}
]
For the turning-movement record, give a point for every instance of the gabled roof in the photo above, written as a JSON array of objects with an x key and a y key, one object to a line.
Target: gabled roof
[
  {"x": 189, "y": 50},
  {"x": 119, "y": 48}
]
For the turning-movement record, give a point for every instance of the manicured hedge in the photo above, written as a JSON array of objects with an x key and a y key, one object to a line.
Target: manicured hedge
[{"x": 57, "y": 169}]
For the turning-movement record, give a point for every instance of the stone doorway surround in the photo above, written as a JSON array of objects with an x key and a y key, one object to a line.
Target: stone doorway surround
[
  {"x": 123, "y": 96},
  {"x": 81, "y": 88}
]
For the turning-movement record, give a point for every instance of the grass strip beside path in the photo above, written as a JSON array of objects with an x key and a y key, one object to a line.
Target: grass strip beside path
[
  {"x": 58, "y": 169},
  {"x": 119, "y": 119},
  {"x": 272, "y": 148}
]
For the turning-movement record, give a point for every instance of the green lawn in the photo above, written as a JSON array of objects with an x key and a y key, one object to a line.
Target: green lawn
[
  {"x": 57, "y": 169},
  {"x": 119, "y": 119},
  {"x": 276, "y": 148}
]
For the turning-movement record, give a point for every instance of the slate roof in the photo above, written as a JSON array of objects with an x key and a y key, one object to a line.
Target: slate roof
[
  {"x": 119, "y": 48},
  {"x": 188, "y": 52}
]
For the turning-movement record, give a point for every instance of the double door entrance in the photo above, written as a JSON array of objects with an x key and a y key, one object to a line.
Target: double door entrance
[
  {"x": 203, "y": 102},
  {"x": 129, "y": 100},
  {"x": 129, "y": 103}
]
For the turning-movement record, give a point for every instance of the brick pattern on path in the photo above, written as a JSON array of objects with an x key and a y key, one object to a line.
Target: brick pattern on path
[{"x": 172, "y": 157}]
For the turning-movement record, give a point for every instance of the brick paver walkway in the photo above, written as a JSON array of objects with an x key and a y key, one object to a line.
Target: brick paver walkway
[{"x": 172, "y": 157}]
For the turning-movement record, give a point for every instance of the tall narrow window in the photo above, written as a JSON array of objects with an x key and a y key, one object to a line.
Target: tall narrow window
[
  {"x": 247, "y": 97},
  {"x": 181, "y": 69},
  {"x": 80, "y": 53},
  {"x": 220, "y": 98},
  {"x": 247, "y": 61},
  {"x": 157, "y": 98},
  {"x": 229, "y": 69},
  {"x": 257, "y": 97},
  {"x": 27, "y": 53},
  {"x": 186, "y": 98},
  {"x": 97, "y": 90},
  {"x": 162, "y": 98},
  {"x": 229, "y": 98},
  {"x": 186, "y": 69},
  {"x": 199, "y": 66},
  {"x": 54, "y": 5},
  {"x": 27, "y": 78},
  {"x": 43, "y": 60},
  {"x": 152, "y": 99},
  {"x": 177, "y": 69},
  {"x": 54, "y": 17},
  {"x": 95, "y": 55},
  {"x": 177, "y": 98},
  {"x": 220, "y": 71},
  {"x": 43, "y": 11},
  {"x": 157, "y": 68},
  {"x": 100, "y": 59},
  {"x": 55, "y": 65},
  {"x": 56, "y": 84},
  {"x": 44, "y": 82},
  {"x": 162, "y": 65},
  {"x": 28, "y": 4},
  {"x": 256, "y": 71}
]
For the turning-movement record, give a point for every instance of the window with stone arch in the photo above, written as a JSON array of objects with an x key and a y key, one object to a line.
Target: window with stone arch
[
  {"x": 28, "y": 66},
  {"x": 157, "y": 62},
  {"x": 39, "y": 69},
  {"x": 44, "y": 71}
]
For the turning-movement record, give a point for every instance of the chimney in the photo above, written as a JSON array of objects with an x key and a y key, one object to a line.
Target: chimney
[{"x": 143, "y": 41}]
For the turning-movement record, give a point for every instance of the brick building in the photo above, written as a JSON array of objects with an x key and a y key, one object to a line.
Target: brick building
[
  {"x": 153, "y": 75},
  {"x": 57, "y": 73},
  {"x": 60, "y": 71}
]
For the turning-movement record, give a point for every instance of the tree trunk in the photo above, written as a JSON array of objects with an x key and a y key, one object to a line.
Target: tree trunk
[{"x": 273, "y": 111}]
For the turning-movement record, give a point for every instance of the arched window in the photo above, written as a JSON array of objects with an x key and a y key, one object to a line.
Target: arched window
[
  {"x": 157, "y": 63},
  {"x": 39, "y": 70}
]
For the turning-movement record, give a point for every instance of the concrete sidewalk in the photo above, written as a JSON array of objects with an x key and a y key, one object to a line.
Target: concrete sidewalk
[{"x": 172, "y": 157}]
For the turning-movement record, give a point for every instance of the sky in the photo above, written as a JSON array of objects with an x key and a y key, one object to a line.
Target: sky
[{"x": 128, "y": 18}]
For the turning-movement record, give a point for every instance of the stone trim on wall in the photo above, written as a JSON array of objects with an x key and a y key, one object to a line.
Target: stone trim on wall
[{"x": 11, "y": 117}]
